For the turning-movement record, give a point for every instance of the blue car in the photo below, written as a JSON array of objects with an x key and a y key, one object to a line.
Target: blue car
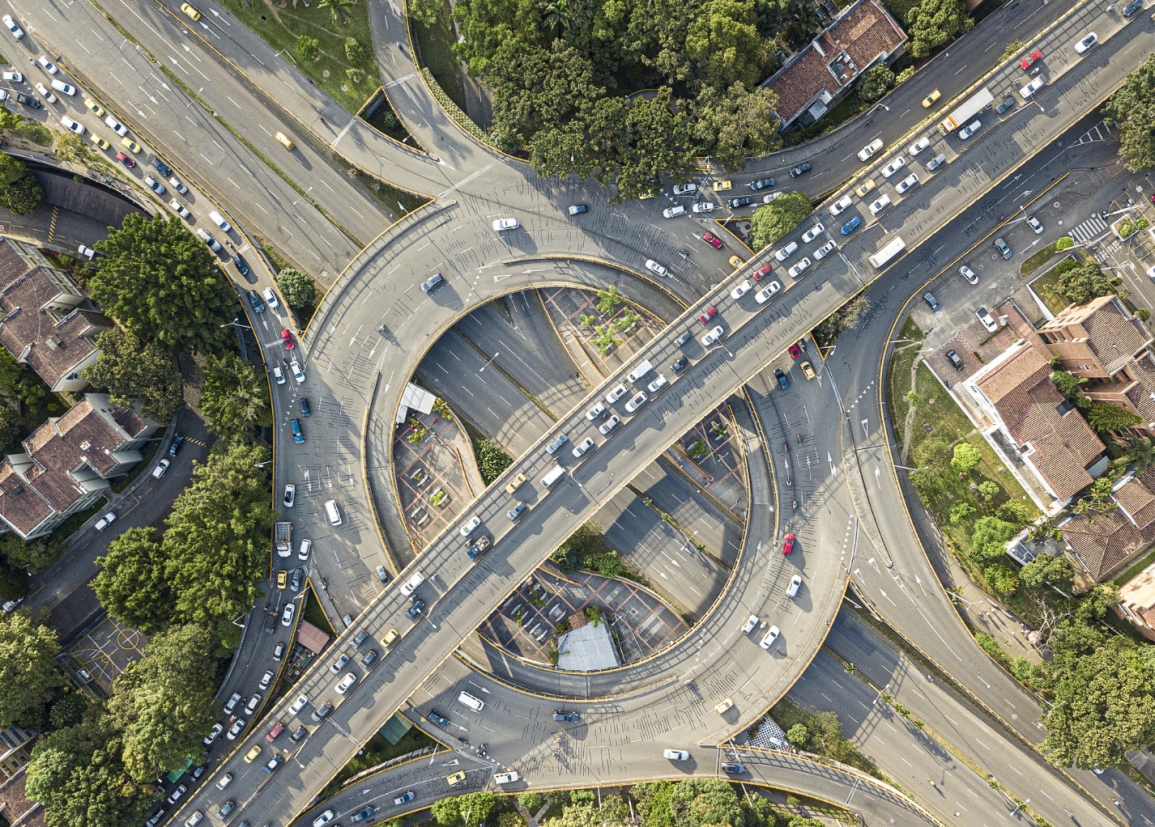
[
  {"x": 783, "y": 382},
  {"x": 295, "y": 427},
  {"x": 929, "y": 298},
  {"x": 438, "y": 719},
  {"x": 851, "y": 225},
  {"x": 305, "y": 411}
]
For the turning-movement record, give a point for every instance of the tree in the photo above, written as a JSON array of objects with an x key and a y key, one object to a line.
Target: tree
[
  {"x": 653, "y": 802},
  {"x": 13, "y": 580},
  {"x": 19, "y": 191},
  {"x": 11, "y": 424},
  {"x": 961, "y": 512},
  {"x": 36, "y": 555},
  {"x": 28, "y": 677},
  {"x": 723, "y": 41},
  {"x": 1140, "y": 453},
  {"x": 876, "y": 82},
  {"x": 1001, "y": 579},
  {"x": 132, "y": 584},
  {"x": 1132, "y": 110},
  {"x": 131, "y": 370},
  {"x": 1044, "y": 569},
  {"x": 468, "y": 810},
  {"x": 1103, "y": 416},
  {"x": 234, "y": 396},
  {"x": 354, "y": 51},
  {"x": 162, "y": 284},
  {"x": 298, "y": 288},
  {"x": 336, "y": 9},
  {"x": 1016, "y": 511},
  {"x": 20, "y": 382},
  {"x": 164, "y": 703},
  {"x": 425, "y": 12},
  {"x": 1083, "y": 282},
  {"x": 1067, "y": 384},
  {"x": 990, "y": 536},
  {"x": 532, "y": 801},
  {"x": 933, "y": 22},
  {"x": 68, "y": 710},
  {"x": 705, "y": 801},
  {"x": 608, "y": 301},
  {"x": 308, "y": 47},
  {"x": 736, "y": 125},
  {"x": 777, "y": 218},
  {"x": 798, "y": 735},
  {"x": 966, "y": 457},
  {"x": 491, "y": 459},
  {"x": 803, "y": 821},
  {"x": 988, "y": 490}
]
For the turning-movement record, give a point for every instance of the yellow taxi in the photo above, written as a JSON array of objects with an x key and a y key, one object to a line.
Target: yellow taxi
[
  {"x": 866, "y": 187},
  {"x": 455, "y": 779},
  {"x": 130, "y": 144},
  {"x": 736, "y": 262},
  {"x": 722, "y": 186},
  {"x": 99, "y": 141},
  {"x": 807, "y": 369},
  {"x": 515, "y": 483},
  {"x": 94, "y": 107},
  {"x": 286, "y": 141},
  {"x": 190, "y": 12},
  {"x": 390, "y": 636},
  {"x": 252, "y": 754},
  {"x": 930, "y": 99},
  {"x": 282, "y": 579}
]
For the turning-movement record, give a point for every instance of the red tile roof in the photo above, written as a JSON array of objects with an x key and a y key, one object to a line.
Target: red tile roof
[
  {"x": 1103, "y": 545},
  {"x": 1095, "y": 334},
  {"x": 15, "y": 805}
]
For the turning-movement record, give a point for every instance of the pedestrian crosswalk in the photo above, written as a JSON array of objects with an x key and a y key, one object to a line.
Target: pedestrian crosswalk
[{"x": 1090, "y": 229}]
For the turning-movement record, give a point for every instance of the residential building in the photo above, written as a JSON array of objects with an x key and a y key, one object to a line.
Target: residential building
[
  {"x": 46, "y": 322},
  {"x": 15, "y": 753},
  {"x": 15, "y": 749},
  {"x": 1110, "y": 541},
  {"x": 823, "y": 72},
  {"x": 1137, "y": 601}
]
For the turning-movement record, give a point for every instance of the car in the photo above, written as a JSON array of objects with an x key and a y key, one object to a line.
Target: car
[
  {"x": 287, "y": 614},
  {"x": 615, "y": 394},
  {"x": 865, "y": 187},
  {"x": 349, "y": 679},
  {"x": 212, "y": 243},
  {"x": 931, "y": 301},
  {"x": 1035, "y": 224},
  {"x": 741, "y": 290},
  {"x": 799, "y": 268},
  {"x": 907, "y": 183},
  {"x": 749, "y": 625},
  {"x": 880, "y": 205},
  {"x": 988, "y": 321},
  {"x": 771, "y": 636},
  {"x": 130, "y": 145},
  {"x": 235, "y": 729},
  {"x": 812, "y": 233},
  {"x": 734, "y": 769},
  {"x": 713, "y": 241},
  {"x": 323, "y": 819},
  {"x": 267, "y": 678},
  {"x": 99, "y": 141},
  {"x": 707, "y": 314},
  {"x": 577, "y": 209},
  {"x": 285, "y": 141},
  {"x": 183, "y": 190},
  {"x": 685, "y": 189},
  {"x": 298, "y": 704},
  {"x": 1081, "y": 47},
  {"x": 214, "y": 733},
  {"x": 703, "y": 206},
  {"x": 274, "y": 762},
  {"x": 868, "y": 150},
  {"x": 12, "y": 77},
  {"x": 841, "y": 204},
  {"x": 282, "y": 579},
  {"x": 43, "y": 90},
  {"x": 438, "y": 719},
  {"x": 303, "y": 551},
  {"x": 713, "y": 336},
  {"x": 1132, "y": 9},
  {"x": 190, "y": 12},
  {"x": 968, "y": 274},
  {"x": 802, "y": 168},
  {"x": 514, "y": 514},
  {"x": 739, "y": 203},
  {"x": 278, "y": 374},
  {"x": 936, "y": 162},
  {"x": 295, "y": 428},
  {"x": 761, "y": 184},
  {"x": 763, "y": 271},
  {"x": 295, "y": 369},
  {"x": 432, "y": 282},
  {"x": 322, "y": 711},
  {"x": 305, "y": 409},
  {"x": 930, "y": 99},
  {"x": 851, "y": 225},
  {"x": 405, "y": 798},
  {"x": 503, "y": 224},
  {"x": 232, "y": 702},
  {"x": 919, "y": 145},
  {"x": 17, "y": 32},
  {"x": 175, "y": 446},
  {"x": 795, "y": 350},
  {"x": 227, "y": 808},
  {"x": 506, "y": 777},
  {"x": 196, "y": 818},
  {"x": 1032, "y": 87},
  {"x": 1029, "y": 60},
  {"x": 674, "y": 211},
  {"x": 255, "y": 301},
  {"x": 795, "y": 585},
  {"x": 1002, "y": 247},
  {"x": 297, "y": 579},
  {"x": 788, "y": 544},
  {"x": 154, "y": 185},
  {"x": 105, "y": 521},
  {"x": 954, "y": 359},
  {"x": 470, "y": 526},
  {"x": 639, "y": 399},
  {"x": 736, "y": 262},
  {"x": 780, "y": 376},
  {"x": 455, "y": 779},
  {"x": 158, "y": 472},
  {"x": 721, "y": 186},
  {"x": 1007, "y": 105},
  {"x": 658, "y": 383},
  {"x": 116, "y": 126},
  {"x": 48, "y": 65},
  {"x": 676, "y": 754},
  {"x": 724, "y": 705},
  {"x": 63, "y": 88},
  {"x": 563, "y": 717},
  {"x": 807, "y": 369},
  {"x": 783, "y": 253},
  {"x": 271, "y": 299},
  {"x": 609, "y": 425},
  {"x": 596, "y": 412},
  {"x": 893, "y": 167},
  {"x": 763, "y": 295},
  {"x": 253, "y": 703},
  {"x": 583, "y": 448},
  {"x": 180, "y": 208},
  {"x": 685, "y": 337},
  {"x": 970, "y": 129},
  {"x": 654, "y": 267},
  {"x": 286, "y": 334},
  {"x": 771, "y": 197},
  {"x": 156, "y": 817},
  {"x": 31, "y": 103},
  {"x": 338, "y": 664},
  {"x": 825, "y": 250}
]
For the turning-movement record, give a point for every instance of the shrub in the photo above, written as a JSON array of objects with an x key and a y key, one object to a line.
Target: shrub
[
  {"x": 1064, "y": 243},
  {"x": 1001, "y": 579},
  {"x": 308, "y": 47},
  {"x": 777, "y": 218},
  {"x": 491, "y": 459},
  {"x": 798, "y": 735},
  {"x": 966, "y": 457},
  {"x": 297, "y": 288}
]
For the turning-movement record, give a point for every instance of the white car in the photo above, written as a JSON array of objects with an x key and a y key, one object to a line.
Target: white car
[
  {"x": 825, "y": 250},
  {"x": 704, "y": 206},
  {"x": 840, "y": 205},
  {"x": 105, "y": 521},
  {"x": 290, "y": 497},
  {"x": 178, "y": 186},
  {"x": 713, "y": 336},
  {"x": 893, "y": 167},
  {"x": 323, "y": 819},
  {"x": 799, "y": 268},
  {"x": 48, "y": 65},
  {"x": 298, "y": 374},
  {"x": 676, "y": 754},
  {"x": 741, "y": 290},
  {"x": 213, "y": 734},
  {"x": 298, "y": 704},
  {"x": 763, "y": 295},
  {"x": 17, "y": 32},
  {"x": 1032, "y": 87},
  {"x": 270, "y": 298},
  {"x": 71, "y": 125},
  {"x": 674, "y": 212},
  {"x": 870, "y": 149},
  {"x": 266, "y": 679},
  {"x": 278, "y": 374},
  {"x": 116, "y": 126},
  {"x": 583, "y": 448},
  {"x": 1086, "y": 43},
  {"x": 43, "y": 90},
  {"x": 609, "y": 425},
  {"x": 968, "y": 274},
  {"x": 770, "y": 198},
  {"x": 470, "y": 526},
  {"x": 63, "y": 88},
  {"x": 906, "y": 183},
  {"x": 919, "y": 145},
  {"x": 785, "y": 252},
  {"x": 346, "y": 682},
  {"x": 158, "y": 472},
  {"x": 795, "y": 585},
  {"x": 988, "y": 321},
  {"x": 12, "y": 77},
  {"x": 685, "y": 189},
  {"x": 235, "y": 729},
  {"x": 1035, "y": 224},
  {"x": 880, "y": 205},
  {"x": 812, "y": 233},
  {"x": 769, "y": 638},
  {"x": 595, "y": 412},
  {"x": 303, "y": 551},
  {"x": 506, "y": 777},
  {"x": 637, "y": 402},
  {"x": 750, "y": 624},
  {"x": 287, "y": 614},
  {"x": 970, "y": 129},
  {"x": 180, "y": 209},
  {"x": 657, "y": 384},
  {"x": 654, "y": 267},
  {"x": 616, "y": 394}
]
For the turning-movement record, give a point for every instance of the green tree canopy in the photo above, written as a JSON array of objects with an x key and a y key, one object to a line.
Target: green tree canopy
[
  {"x": 37, "y": 555},
  {"x": 705, "y": 801},
  {"x": 468, "y": 810},
  {"x": 162, "y": 283},
  {"x": 1046, "y": 569},
  {"x": 798, "y": 735},
  {"x": 354, "y": 51},
  {"x": 723, "y": 40},
  {"x": 131, "y": 370},
  {"x": 876, "y": 82},
  {"x": 990, "y": 537},
  {"x": 1104, "y": 416},
  {"x": 132, "y": 584},
  {"x": 736, "y": 125},
  {"x": 1067, "y": 384},
  {"x": 932, "y": 23},
  {"x": 653, "y": 802},
  {"x": 1083, "y": 282},
  {"x": 235, "y": 398},
  {"x": 20, "y": 381},
  {"x": 965, "y": 458},
  {"x": 491, "y": 459},
  {"x": 13, "y": 580},
  {"x": 19, "y": 191},
  {"x": 1001, "y": 579},
  {"x": 297, "y": 288},
  {"x": 308, "y": 47},
  {"x": 1132, "y": 110},
  {"x": 28, "y": 677},
  {"x": 777, "y": 218}
]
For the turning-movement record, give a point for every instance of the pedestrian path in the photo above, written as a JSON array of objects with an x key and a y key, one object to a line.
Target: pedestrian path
[{"x": 1090, "y": 229}]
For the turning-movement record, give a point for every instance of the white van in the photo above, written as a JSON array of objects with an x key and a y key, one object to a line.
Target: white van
[
  {"x": 412, "y": 583},
  {"x": 638, "y": 372},
  {"x": 333, "y": 512},
  {"x": 220, "y": 221},
  {"x": 550, "y": 479},
  {"x": 476, "y": 704},
  {"x": 786, "y": 251}
]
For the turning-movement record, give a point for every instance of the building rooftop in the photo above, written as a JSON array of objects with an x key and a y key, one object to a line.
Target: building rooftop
[
  {"x": 1101, "y": 326},
  {"x": 588, "y": 648},
  {"x": 15, "y": 805}
]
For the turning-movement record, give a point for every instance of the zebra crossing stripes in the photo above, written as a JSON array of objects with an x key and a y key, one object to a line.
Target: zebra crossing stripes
[{"x": 1089, "y": 229}]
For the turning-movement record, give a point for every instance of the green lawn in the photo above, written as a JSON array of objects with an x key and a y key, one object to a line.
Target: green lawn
[
  {"x": 279, "y": 25},
  {"x": 1037, "y": 260},
  {"x": 315, "y": 615},
  {"x": 435, "y": 46},
  {"x": 1044, "y": 286}
]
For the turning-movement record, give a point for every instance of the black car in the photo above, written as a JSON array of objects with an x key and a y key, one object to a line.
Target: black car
[
  {"x": 738, "y": 203},
  {"x": 954, "y": 359},
  {"x": 174, "y": 448},
  {"x": 800, "y": 169},
  {"x": 305, "y": 410},
  {"x": 1006, "y": 105},
  {"x": 270, "y": 621},
  {"x": 414, "y": 611},
  {"x": 31, "y": 103},
  {"x": 680, "y": 365},
  {"x": 370, "y": 658},
  {"x": 162, "y": 167},
  {"x": 783, "y": 382},
  {"x": 761, "y": 184},
  {"x": 685, "y": 337},
  {"x": 242, "y": 266},
  {"x": 255, "y": 301}
]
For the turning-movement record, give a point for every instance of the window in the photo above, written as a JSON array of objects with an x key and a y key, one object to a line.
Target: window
[{"x": 1064, "y": 407}]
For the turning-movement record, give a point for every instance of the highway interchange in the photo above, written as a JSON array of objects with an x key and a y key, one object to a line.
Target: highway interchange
[{"x": 355, "y": 375}]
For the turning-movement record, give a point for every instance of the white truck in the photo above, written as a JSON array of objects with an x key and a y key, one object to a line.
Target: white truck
[
  {"x": 283, "y": 538},
  {"x": 963, "y": 114}
]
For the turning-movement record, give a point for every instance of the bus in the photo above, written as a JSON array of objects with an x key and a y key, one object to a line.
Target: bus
[
  {"x": 889, "y": 250},
  {"x": 968, "y": 110}
]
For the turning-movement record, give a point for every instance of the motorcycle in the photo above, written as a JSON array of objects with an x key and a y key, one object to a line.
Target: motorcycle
[{"x": 1036, "y": 70}]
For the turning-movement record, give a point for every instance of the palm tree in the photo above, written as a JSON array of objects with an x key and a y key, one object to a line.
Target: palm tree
[
  {"x": 608, "y": 300},
  {"x": 556, "y": 18},
  {"x": 336, "y": 9},
  {"x": 1142, "y": 453}
]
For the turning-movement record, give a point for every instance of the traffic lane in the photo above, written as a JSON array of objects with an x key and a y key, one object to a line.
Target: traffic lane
[{"x": 706, "y": 521}]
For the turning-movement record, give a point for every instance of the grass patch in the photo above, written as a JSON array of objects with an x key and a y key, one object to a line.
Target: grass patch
[
  {"x": 1044, "y": 286},
  {"x": 1136, "y": 567},
  {"x": 393, "y": 199},
  {"x": 900, "y": 364},
  {"x": 315, "y": 614},
  {"x": 276, "y": 259},
  {"x": 435, "y": 48},
  {"x": 280, "y": 28},
  {"x": 1037, "y": 260},
  {"x": 377, "y": 751},
  {"x": 69, "y": 527}
]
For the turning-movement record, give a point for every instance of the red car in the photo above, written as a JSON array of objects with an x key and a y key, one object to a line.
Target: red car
[
  {"x": 763, "y": 272},
  {"x": 713, "y": 241},
  {"x": 788, "y": 545},
  {"x": 795, "y": 351},
  {"x": 287, "y": 339},
  {"x": 1029, "y": 59},
  {"x": 710, "y": 313},
  {"x": 124, "y": 159}
]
